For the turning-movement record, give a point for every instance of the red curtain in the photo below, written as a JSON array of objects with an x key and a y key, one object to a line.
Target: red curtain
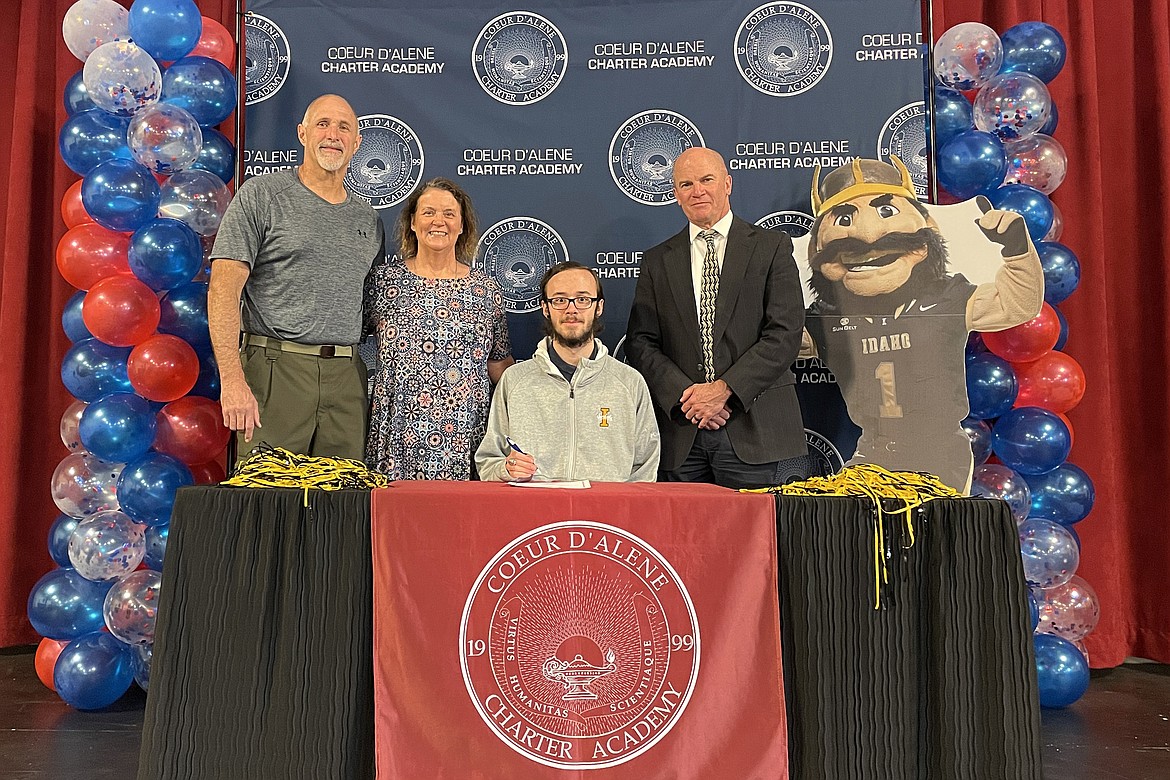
[
  {"x": 1114, "y": 124},
  {"x": 32, "y": 294}
]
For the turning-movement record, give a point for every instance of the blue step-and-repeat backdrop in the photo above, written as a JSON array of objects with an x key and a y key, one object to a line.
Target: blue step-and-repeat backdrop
[{"x": 563, "y": 119}]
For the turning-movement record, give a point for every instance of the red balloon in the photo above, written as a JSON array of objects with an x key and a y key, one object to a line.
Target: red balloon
[
  {"x": 1028, "y": 341},
  {"x": 121, "y": 311},
  {"x": 217, "y": 43},
  {"x": 162, "y": 367},
  {"x": 72, "y": 209},
  {"x": 88, "y": 253},
  {"x": 1055, "y": 382},
  {"x": 46, "y": 658},
  {"x": 191, "y": 429},
  {"x": 209, "y": 473}
]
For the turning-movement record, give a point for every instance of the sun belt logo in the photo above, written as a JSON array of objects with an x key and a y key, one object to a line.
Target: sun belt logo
[
  {"x": 519, "y": 57},
  {"x": 904, "y": 134},
  {"x": 783, "y": 48},
  {"x": 643, "y": 151},
  {"x": 266, "y": 58},
  {"x": 579, "y": 645},
  {"x": 794, "y": 223},
  {"x": 516, "y": 252},
  {"x": 389, "y": 163},
  {"x": 826, "y": 457}
]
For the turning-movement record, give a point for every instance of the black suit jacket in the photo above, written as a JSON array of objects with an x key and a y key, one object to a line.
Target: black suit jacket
[{"x": 759, "y": 316}]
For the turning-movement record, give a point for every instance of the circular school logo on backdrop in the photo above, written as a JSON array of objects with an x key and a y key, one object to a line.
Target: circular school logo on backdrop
[
  {"x": 794, "y": 223},
  {"x": 783, "y": 48},
  {"x": 904, "y": 134},
  {"x": 266, "y": 58},
  {"x": 519, "y": 57},
  {"x": 579, "y": 645},
  {"x": 389, "y": 163},
  {"x": 517, "y": 252},
  {"x": 643, "y": 151},
  {"x": 827, "y": 458}
]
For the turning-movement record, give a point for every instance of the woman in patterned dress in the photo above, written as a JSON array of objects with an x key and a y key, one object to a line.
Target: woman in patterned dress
[{"x": 442, "y": 341}]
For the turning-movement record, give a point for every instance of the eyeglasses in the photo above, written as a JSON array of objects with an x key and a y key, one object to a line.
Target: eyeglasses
[{"x": 582, "y": 302}]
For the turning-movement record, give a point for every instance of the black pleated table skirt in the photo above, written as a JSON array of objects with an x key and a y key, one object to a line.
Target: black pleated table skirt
[
  {"x": 939, "y": 682},
  {"x": 262, "y": 655}
]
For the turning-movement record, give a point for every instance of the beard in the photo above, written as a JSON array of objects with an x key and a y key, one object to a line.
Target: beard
[
  {"x": 331, "y": 161},
  {"x": 569, "y": 341},
  {"x": 833, "y": 296}
]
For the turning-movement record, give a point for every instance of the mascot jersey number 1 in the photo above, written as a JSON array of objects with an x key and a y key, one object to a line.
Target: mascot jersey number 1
[{"x": 890, "y": 321}]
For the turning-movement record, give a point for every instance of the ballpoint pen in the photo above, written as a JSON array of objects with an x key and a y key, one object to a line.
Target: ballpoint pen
[{"x": 516, "y": 448}]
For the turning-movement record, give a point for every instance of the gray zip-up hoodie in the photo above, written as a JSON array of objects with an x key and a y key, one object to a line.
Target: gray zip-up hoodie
[{"x": 598, "y": 427}]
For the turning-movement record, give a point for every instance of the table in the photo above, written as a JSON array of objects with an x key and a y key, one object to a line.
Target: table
[{"x": 263, "y": 665}]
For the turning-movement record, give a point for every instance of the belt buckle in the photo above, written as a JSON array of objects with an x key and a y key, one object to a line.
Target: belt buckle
[{"x": 328, "y": 350}]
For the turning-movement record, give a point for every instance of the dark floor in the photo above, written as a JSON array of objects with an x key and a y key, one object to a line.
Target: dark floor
[{"x": 1119, "y": 729}]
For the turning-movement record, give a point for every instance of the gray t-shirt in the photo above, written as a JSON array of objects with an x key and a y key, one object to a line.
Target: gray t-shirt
[{"x": 309, "y": 259}]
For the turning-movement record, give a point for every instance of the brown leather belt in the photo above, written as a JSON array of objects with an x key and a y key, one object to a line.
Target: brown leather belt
[{"x": 317, "y": 350}]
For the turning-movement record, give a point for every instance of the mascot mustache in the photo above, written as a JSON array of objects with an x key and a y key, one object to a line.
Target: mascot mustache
[{"x": 881, "y": 251}]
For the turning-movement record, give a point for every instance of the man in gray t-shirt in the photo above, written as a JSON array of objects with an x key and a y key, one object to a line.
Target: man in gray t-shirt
[{"x": 288, "y": 270}]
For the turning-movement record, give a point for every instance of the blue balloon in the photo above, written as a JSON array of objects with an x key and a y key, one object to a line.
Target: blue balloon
[
  {"x": 92, "y": 368},
  {"x": 65, "y": 605},
  {"x": 71, "y": 320},
  {"x": 1029, "y": 202},
  {"x": 147, "y": 487},
  {"x": 1033, "y": 609},
  {"x": 90, "y": 138},
  {"x": 167, "y": 29},
  {"x": 970, "y": 163},
  {"x": 119, "y": 427},
  {"x": 143, "y": 657},
  {"x": 1062, "y": 270},
  {"x": 1065, "y": 494},
  {"x": 121, "y": 195},
  {"x": 156, "y": 545},
  {"x": 59, "y": 533},
  {"x": 952, "y": 114},
  {"x": 1061, "y": 671},
  {"x": 1030, "y": 440},
  {"x": 77, "y": 97},
  {"x": 1033, "y": 47},
  {"x": 183, "y": 313},
  {"x": 1053, "y": 119},
  {"x": 991, "y": 386},
  {"x": 93, "y": 671},
  {"x": 165, "y": 253},
  {"x": 1062, "y": 339},
  {"x": 217, "y": 155},
  {"x": 207, "y": 385},
  {"x": 203, "y": 86},
  {"x": 979, "y": 432},
  {"x": 975, "y": 345}
]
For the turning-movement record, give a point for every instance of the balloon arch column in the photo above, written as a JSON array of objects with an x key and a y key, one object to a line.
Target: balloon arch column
[
  {"x": 993, "y": 124},
  {"x": 141, "y": 133}
]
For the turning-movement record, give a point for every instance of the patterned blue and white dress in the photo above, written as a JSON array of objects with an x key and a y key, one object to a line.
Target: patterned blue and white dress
[{"x": 429, "y": 405}]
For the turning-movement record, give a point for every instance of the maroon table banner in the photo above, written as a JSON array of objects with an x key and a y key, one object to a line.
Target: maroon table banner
[{"x": 620, "y": 631}]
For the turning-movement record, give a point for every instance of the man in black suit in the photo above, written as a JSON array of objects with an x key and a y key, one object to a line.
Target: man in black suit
[{"x": 723, "y": 393}]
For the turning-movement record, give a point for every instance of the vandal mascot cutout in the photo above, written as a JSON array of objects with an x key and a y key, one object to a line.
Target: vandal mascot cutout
[{"x": 890, "y": 321}]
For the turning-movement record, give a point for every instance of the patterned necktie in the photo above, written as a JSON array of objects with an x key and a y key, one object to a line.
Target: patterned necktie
[{"x": 707, "y": 294}]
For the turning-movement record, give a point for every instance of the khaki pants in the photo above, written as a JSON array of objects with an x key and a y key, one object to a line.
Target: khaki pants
[{"x": 310, "y": 405}]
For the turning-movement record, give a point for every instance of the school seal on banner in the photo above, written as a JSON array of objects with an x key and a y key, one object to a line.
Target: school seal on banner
[
  {"x": 783, "y": 48},
  {"x": 643, "y": 151},
  {"x": 267, "y": 58},
  {"x": 519, "y": 57},
  {"x": 794, "y": 223},
  {"x": 579, "y": 645},
  {"x": 904, "y": 135},
  {"x": 516, "y": 252},
  {"x": 389, "y": 163}
]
